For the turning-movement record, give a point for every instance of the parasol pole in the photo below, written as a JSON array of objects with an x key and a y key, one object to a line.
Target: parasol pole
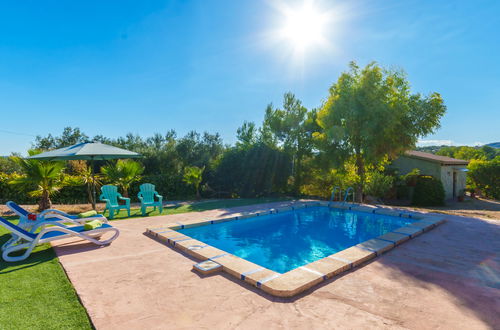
[{"x": 93, "y": 182}]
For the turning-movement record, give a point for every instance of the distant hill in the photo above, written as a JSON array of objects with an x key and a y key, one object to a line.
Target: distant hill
[
  {"x": 494, "y": 145},
  {"x": 431, "y": 149}
]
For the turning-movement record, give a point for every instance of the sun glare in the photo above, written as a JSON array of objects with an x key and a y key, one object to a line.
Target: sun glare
[
  {"x": 303, "y": 33},
  {"x": 304, "y": 27}
]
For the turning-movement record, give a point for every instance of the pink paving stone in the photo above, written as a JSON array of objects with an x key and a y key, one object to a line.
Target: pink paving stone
[{"x": 446, "y": 278}]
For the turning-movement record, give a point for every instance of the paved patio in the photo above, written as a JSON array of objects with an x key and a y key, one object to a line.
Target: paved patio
[{"x": 447, "y": 278}]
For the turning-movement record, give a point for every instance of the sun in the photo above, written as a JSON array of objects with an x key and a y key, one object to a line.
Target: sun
[{"x": 304, "y": 27}]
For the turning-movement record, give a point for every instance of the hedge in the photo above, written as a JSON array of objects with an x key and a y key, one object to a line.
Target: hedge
[{"x": 429, "y": 191}]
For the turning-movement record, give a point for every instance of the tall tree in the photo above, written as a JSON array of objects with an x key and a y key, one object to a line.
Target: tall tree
[
  {"x": 68, "y": 137},
  {"x": 293, "y": 127},
  {"x": 246, "y": 135},
  {"x": 371, "y": 114}
]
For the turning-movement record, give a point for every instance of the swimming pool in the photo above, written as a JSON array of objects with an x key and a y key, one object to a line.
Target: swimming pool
[
  {"x": 287, "y": 250},
  {"x": 284, "y": 241}
]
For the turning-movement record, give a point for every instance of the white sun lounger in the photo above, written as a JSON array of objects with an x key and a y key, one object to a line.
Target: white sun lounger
[
  {"x": 54, "y": 215},
  {"x": 43, "y": 217},
  {"x": 55, "y": 231}
]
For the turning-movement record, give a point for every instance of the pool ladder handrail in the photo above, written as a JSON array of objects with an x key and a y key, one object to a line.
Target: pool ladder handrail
[
  {"x": 332, "y": 197},
  {"x": 349, "y": 189}
]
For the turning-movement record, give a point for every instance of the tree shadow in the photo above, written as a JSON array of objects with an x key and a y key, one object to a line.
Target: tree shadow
[{"x": 459, "y": 256}]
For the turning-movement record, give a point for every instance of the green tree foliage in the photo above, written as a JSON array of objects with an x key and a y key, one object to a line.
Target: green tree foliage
[
  {"x": 246, "y": 135},
  {"x": 8, "y": 166},
  {"x": 193, "y": 176},
  {"x": 468, "y": 153},
  {"x": 123, "y": 173},
  {"x": 485, "y": 176},
  {"x": 429, "y": 191},
  {"x": 39, "y": 178},
  {"x": 292, "y": 127},
  {"x": 378, "y": 184},
  {"x": 321, "y": 181},
  {"x": 371, "y": 114},
  {"x": 68, "y": 137},
  {"x": 258, "y": 170}
]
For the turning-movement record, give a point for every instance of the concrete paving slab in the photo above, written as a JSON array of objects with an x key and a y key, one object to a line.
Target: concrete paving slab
[{"x": 447, "y": 279}]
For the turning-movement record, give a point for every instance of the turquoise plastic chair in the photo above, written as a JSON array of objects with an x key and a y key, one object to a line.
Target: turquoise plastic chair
[
  {"x": 147, "y": 195},
  {"x": 110, "y": 195}
]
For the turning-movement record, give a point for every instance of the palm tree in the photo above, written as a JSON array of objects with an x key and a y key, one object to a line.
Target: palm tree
[
  {"x": 193, "y": 176},
  {"x": 123, "y": 173},
  {"x": 85, "y": 175},
  {"x": 43, "y": 179}
]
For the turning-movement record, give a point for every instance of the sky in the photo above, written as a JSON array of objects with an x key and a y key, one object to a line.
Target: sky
[{"x": 114, "y": 67}]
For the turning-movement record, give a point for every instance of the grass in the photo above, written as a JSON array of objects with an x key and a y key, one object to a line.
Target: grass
[
  {"x": 195, "y": 207},
  {"x": 36, "y": 293}
]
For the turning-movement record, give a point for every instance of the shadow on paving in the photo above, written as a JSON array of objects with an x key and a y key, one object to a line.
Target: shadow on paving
[{"x": 459, "y": 256}]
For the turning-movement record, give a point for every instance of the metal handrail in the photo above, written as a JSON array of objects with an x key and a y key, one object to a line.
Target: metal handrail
[
  {"x": 332, "y": 198},
  {"x": 349, "y": 189}
]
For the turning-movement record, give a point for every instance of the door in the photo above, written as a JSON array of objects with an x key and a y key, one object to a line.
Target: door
[{"x": 454, "y": 184}]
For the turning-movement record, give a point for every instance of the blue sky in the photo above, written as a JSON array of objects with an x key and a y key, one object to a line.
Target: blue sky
[{"x": 113, "y": 67}]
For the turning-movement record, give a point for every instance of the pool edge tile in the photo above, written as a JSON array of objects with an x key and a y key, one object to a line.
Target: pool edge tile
[{"x": 306, "y": 276}]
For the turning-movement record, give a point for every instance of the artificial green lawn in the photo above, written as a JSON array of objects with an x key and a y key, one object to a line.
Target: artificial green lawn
[{"x": 36, "y": 294}]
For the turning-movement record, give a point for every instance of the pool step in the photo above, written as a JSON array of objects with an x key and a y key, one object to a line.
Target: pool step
[{"x": 207, "y": 267}]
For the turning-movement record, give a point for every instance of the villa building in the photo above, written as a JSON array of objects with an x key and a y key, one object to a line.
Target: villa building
[{"x": 451, "y": 171}]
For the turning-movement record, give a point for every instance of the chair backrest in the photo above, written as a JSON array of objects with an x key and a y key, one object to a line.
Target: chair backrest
[
  {"x": 17, "y": 230},
  {"x": 17, "y": 209},
  {"x": 147, "y": 191},
  {"x": 110, "y": 193}
]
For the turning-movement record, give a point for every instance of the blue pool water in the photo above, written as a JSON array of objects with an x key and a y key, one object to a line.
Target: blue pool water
[{"x": 287, "y": 240}]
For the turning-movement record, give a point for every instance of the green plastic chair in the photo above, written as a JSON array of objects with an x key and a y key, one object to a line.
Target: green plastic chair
[
  {"x": 147, "y": 195},
  {"x": 110, "y": 195}
]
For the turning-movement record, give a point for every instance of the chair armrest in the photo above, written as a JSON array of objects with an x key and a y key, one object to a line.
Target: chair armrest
[
  {"x": 126, "y": 199},
  {"x": 61, "y": 218},
  {"x": 43, "y": 213},
  {"x": 160, "y": 197}
]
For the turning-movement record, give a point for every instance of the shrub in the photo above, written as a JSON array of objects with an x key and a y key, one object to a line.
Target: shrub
[
  {"x": 321, "y": 182},
  {"x": 378, "y": 184},
  {"x": 485, "y": 176},
  {"x": 429, "y": 191}
]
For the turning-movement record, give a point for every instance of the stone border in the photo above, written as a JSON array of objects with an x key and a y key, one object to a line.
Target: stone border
[{"x": 302, "y": 278}]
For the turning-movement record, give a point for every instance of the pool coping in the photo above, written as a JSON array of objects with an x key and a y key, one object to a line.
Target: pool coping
[{"x": 302, "y": 278}]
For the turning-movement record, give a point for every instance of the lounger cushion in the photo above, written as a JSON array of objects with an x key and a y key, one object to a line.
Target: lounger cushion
[
  {"x": 94, "y": 224},
  {"x": 87, "y": 214}
]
